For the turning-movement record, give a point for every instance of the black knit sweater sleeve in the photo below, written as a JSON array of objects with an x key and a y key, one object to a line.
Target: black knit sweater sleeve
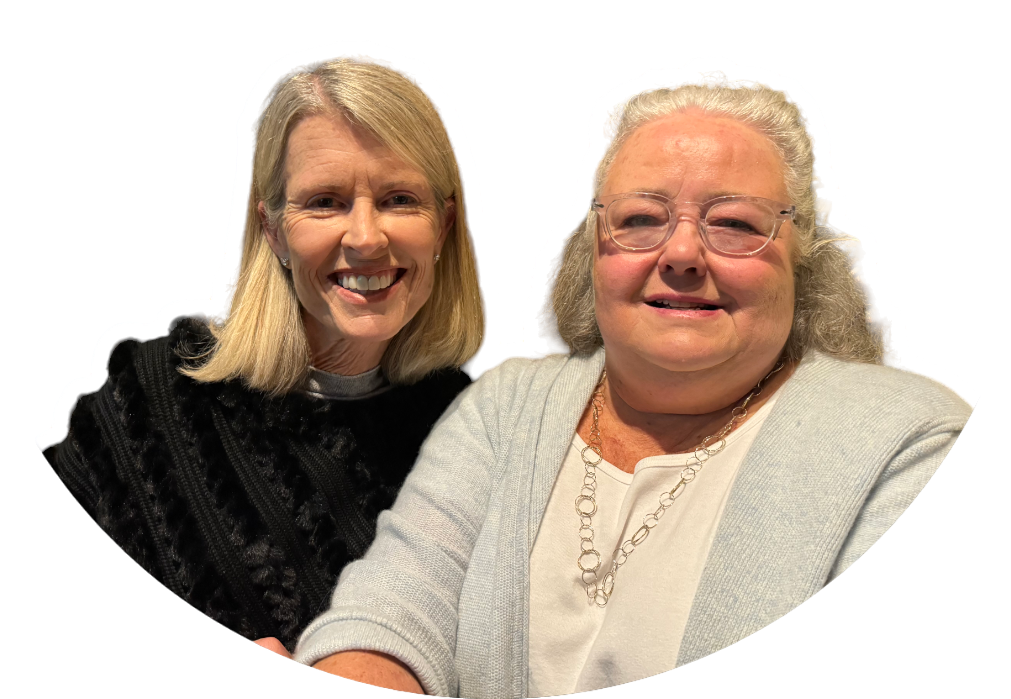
[
  {"x": 94, "y": 462},
  {"x": 246, "y": 506}
]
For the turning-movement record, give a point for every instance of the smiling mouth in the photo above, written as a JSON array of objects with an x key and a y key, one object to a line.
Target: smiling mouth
[
  {"x": 367, "y": 284},
  {"x": 682, "y": 305}
]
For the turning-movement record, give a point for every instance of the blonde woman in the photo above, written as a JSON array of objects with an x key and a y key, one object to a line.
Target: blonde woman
[
  {"x": 243, "y": 464},
  {"x": 720, "y": 443}
]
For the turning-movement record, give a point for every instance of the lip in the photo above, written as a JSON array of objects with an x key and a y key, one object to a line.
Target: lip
[
  {"x": 366, "y": 271},
  {"x": 374, "y": 296},
  {"x": 682, "y": 298},
  {"x": 712, "y": 308}
]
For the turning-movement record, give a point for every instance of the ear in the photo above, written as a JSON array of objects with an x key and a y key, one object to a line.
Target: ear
[
  {"x": 271, "y": 233},
  {"x": 448, "y": 219}
]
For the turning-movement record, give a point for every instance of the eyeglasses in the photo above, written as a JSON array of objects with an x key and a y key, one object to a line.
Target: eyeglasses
[{"x": 737, "y": 225}]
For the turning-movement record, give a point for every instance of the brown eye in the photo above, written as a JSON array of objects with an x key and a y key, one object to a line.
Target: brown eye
[{"x": 323, "y": 203}]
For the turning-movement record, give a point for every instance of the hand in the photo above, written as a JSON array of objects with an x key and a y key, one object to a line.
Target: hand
[{"x": 273, "y": 644}]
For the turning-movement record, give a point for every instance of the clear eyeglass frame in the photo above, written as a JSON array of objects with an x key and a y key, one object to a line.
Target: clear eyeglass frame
[{"x": 780, "y": 212}]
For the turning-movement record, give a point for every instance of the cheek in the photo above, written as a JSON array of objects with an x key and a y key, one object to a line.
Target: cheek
[
  {"x": 764, "y": 296},
  {"x": 417, "y": 249},
  {"x": 310, "y": 254},
  {"x": 620, "y": 278},
  {"x": 618, "y": 281},
  {"x": 422, "y": 282},
  {"x": 310, "y": 245}
]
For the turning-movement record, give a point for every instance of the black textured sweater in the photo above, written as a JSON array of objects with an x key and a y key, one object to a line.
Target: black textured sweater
[{"x": 245, "y": 506}]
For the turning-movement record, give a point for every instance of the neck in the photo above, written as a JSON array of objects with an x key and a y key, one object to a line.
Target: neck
[
  {"x": 341, "y": 355},
  {"x": 674, "y": 415}
]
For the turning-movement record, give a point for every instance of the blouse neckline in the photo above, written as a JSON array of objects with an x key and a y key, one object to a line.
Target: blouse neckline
[{"x": 323, "y": 384}]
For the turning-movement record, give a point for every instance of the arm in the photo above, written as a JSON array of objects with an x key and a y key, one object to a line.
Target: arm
[
  {"x": 97, "y": 452},
  {"x": 372, "y": 668},
  {"x": 401, "y": 598},
  {"x": 900, "y": 482},
  {"x": 361, "y": 666}
]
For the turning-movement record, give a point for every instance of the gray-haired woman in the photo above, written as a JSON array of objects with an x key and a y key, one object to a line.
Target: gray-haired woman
[
  {"x": 243, "y": 464},
  {"x": 721, "y": 442}
]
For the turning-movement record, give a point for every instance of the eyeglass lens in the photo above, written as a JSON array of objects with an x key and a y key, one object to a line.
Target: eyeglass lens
[{"x": 733, "y": 227}]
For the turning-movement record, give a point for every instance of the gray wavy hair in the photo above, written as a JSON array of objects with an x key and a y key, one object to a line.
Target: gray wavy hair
[{"x": 830, "y": 311}]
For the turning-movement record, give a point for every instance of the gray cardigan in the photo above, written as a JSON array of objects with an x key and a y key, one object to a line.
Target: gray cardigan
[{"x": 444, "y": 588}]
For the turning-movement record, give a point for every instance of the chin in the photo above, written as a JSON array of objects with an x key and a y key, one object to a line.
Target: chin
[
  {"x": 688, "y": 361},
  {"x": 674, "y": 355},
  {"x": 374, "y": 334},
  {"x": 373, "y": 328}
]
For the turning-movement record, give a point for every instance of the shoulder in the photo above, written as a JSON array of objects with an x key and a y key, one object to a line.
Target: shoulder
[
  {"x": 420, "y": 403},
  {"x": 144, "y": 373},
  {"x": 115, "y": 421},
  {"x": 443, "y": 382},
  {"x": 851, "y": 388},
  {"x": 188, "y": 339},
  {"x": 540, "y": 376},
  {"x": 532, "y": 387}
]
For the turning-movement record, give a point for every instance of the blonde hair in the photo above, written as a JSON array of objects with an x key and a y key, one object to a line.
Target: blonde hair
[
  {"x": 830, "y": 311},
  {"x": 263, "y": 341}
]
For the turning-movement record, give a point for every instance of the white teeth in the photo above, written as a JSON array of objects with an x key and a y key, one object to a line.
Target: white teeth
[{"x": 362, "y": 283}]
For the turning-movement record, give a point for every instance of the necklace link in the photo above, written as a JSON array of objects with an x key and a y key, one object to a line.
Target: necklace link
[{"x": 598, "y": 592}]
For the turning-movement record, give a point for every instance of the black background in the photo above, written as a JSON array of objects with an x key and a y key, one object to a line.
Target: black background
[{"x": 145, "y": 156}]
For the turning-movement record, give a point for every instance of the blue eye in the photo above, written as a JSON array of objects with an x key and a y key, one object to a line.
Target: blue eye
[
  {"x": 323, "y": 203},
  {"x": 402, "y": 200}
]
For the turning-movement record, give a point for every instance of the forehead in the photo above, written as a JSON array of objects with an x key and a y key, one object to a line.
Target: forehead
[
  {"x": 331, "y": 145},
  {"x": 697, "y": 149}
]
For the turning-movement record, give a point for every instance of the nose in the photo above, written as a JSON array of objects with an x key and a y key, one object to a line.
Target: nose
[
  {"x": 364, "y": 234},
  {"x": 684, "y": 251}
]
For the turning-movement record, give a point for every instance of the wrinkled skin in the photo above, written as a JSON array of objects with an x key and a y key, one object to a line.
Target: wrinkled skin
[
  {"x": 354, "y": 207},
  {"x": 674, "y": 374}
]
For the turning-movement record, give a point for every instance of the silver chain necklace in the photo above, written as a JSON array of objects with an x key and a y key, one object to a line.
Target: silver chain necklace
[{"x": 599, "y": 591}]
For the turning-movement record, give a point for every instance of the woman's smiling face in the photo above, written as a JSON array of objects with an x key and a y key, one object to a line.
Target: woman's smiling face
[
  {"x": 361, "y": 228},
  {"x": 731, "y": 311}
]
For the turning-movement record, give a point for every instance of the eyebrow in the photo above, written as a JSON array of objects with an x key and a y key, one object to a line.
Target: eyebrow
[
  {"x": 330, "y": 184},
  {"x": 659, "y": 192},
  {"x": 723, "y": 193},
  {"x": 708, "y": 196},
  {"x": 393, "y": 184}
]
